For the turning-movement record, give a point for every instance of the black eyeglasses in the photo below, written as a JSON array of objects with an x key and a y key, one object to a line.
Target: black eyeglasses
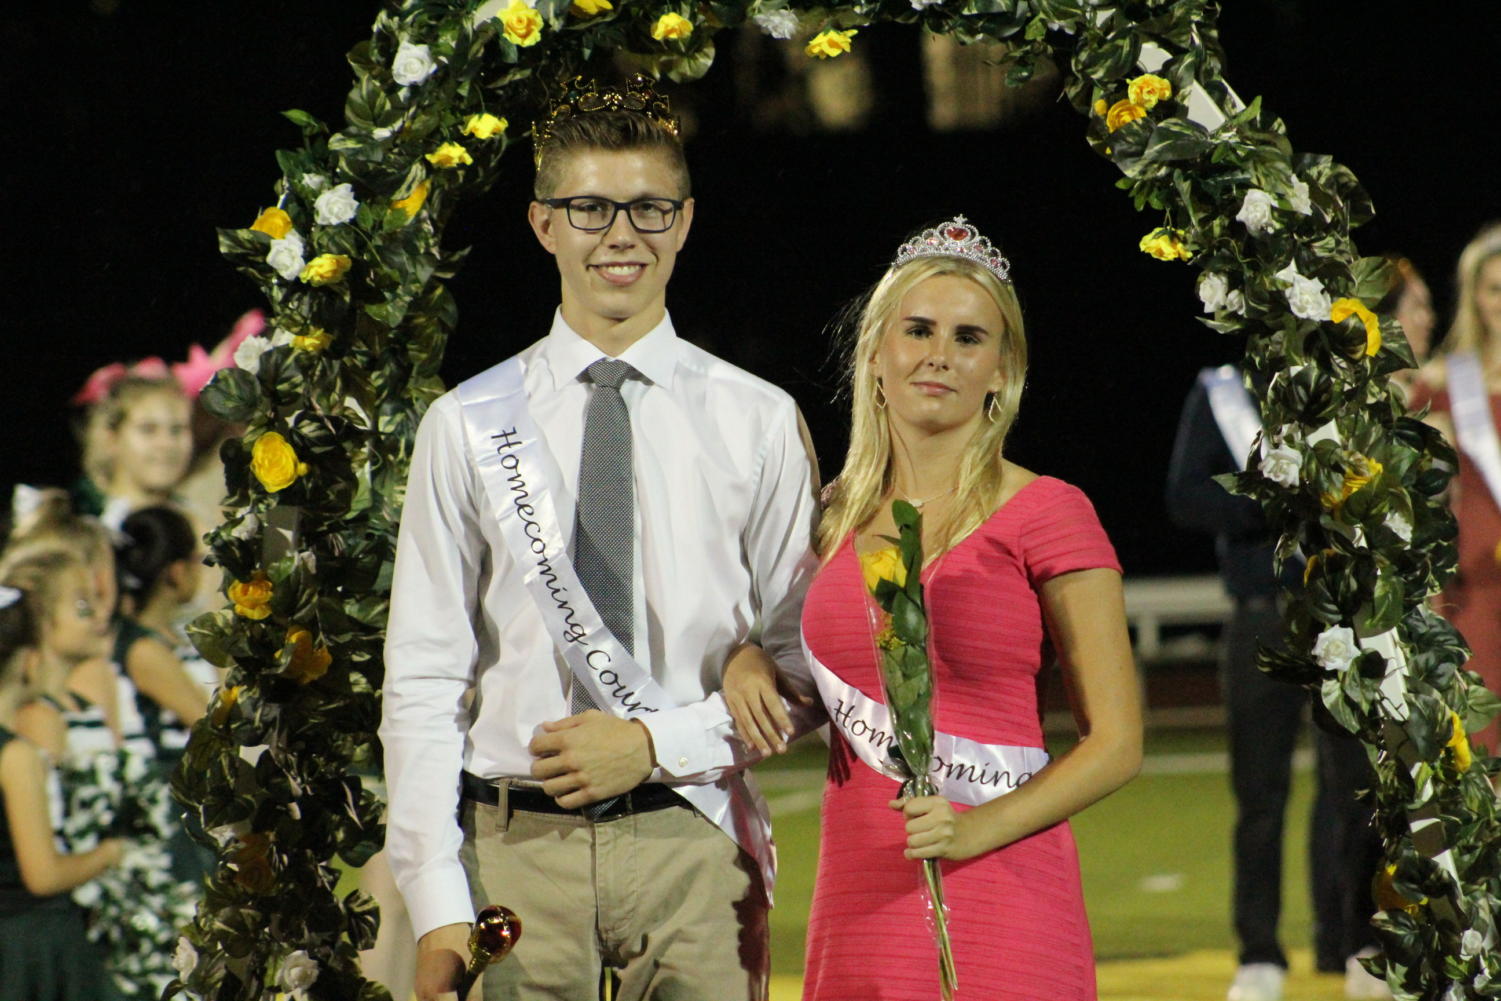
[{"x": 591, "y": 213}]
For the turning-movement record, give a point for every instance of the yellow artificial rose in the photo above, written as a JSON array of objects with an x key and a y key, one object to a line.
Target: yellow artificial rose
[
  {"x": 671, "y": 25},
  {"x": 274, "y": 462},
  {"x": 520, "y": 24},
  {"x": 224, "y": 701},
  {"x": 485, "y": 126},
  {"x": 413, "y": 202},
  {"x": 1165, "y": 244},
  {"x": 588, "y": 8},
  {"x": 1147, "y": 89},
  {"x": 830, "y": 43},
  {"x": 251, "y": 598},
  {"x": 1121, "y": 112},
  {"x": 450, "y": 155},
  {"x": 325, "y": 269},
  {"x": 1343, "y": 309},
  {"x": 273, "y": 222},
  {"x": 1458, "y": 745},
  {"x": 883, "y": 564},
  {"x": 1385, "y": 896},
  {"x": 1100, "y": 107},
  {"x": 309, "y": 662},
  {"x": 1362, "y": 470},
  {"x": 315, "y": 340}
]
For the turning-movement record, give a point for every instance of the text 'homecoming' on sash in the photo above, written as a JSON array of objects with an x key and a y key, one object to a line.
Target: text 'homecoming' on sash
[{"x": 965, "y": 771}]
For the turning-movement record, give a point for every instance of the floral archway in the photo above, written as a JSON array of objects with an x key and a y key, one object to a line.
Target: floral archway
[{"x": 351, "y": 259}]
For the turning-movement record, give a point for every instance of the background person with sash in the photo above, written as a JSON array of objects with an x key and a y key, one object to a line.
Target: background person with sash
[
  {"x": 578, "y": 819},
  {"x": 1463, "y": 387},
  {"x": 1019, "y": 569},
  {"x": 1216, "y": 433}
]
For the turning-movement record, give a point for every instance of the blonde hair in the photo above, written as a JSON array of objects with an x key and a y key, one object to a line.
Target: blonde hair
[
  {"x": 106, "y": 416},
  {"x": 1468, "y": 332},
  {"x": 38, "y": 573},
  {"x": 53, "y": 525},
  {"x": 868, "y": 468}
]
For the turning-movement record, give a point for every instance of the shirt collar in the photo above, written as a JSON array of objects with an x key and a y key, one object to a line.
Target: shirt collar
[{"x": 655, "y": 355}]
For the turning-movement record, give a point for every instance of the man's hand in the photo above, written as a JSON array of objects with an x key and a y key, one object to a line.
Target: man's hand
[
  {"x": 442, "y": 955},
  {"x": 589, "y": 757}
]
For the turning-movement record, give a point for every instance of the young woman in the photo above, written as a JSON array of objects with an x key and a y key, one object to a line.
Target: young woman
[{"x": 1018, "y": 572}]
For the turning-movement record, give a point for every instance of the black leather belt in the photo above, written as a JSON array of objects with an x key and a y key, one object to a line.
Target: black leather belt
[{"x": 643, "y": 799}]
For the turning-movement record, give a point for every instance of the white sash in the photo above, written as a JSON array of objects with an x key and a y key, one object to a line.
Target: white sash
[
  {"x": 1473, "y": 424},
  {"x": 520, "y": 477},
  {"x": 965, "y": 771},
  {"x": 1233, "y": 410}
]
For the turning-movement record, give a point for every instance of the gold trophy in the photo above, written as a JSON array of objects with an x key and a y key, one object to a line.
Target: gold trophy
[{"x": 491, "y": 939}]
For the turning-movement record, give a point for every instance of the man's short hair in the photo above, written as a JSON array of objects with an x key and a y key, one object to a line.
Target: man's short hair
[{"x": 606, "y": 130}]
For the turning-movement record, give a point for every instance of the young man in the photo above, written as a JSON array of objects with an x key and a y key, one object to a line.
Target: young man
[{"x": 626, "y": 838}]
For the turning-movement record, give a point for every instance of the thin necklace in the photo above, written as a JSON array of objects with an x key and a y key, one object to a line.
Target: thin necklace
[{"x": 918, "y": 502}]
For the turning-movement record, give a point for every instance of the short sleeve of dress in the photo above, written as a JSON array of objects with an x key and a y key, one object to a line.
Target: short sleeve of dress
[{"x": 1062, "y": 533}]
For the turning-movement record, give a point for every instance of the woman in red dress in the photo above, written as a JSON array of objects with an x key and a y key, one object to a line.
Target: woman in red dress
[{"x": 1019, "y": 573}]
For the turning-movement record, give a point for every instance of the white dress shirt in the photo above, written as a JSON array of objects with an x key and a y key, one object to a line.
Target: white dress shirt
[{"x": 724, "y": 519}]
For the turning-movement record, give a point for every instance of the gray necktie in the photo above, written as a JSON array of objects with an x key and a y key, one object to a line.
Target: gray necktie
[{"x": 605, "y": 525}]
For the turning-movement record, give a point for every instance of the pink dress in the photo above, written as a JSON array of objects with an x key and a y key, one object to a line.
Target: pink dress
[{"x": 1016, "y": 914}]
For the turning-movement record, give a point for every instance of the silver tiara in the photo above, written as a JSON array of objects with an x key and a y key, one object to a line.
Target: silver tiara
[
  {"x": 9, "y": 596},
  {"x": 955, "y": 238}
]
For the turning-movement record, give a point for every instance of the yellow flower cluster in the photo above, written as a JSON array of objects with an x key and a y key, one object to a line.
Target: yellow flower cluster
[
  {"x": 251, "y": 598},
  {"x": 1142, "y": 94},
  {"x": 315, "y": 340},
  {"x": 450, "y": 155},
  {"x": 1165, "y": 244},
  {"x": 1362, "y": 470},
  {"x": 485, "y": 126},
  {"x": 671, "y": 26},
  {"x": 883, "y": 564},
  {"x": 308, "y": 662},
  {"x": 520, "y": 24},
  {"x": 274, "y": 462},
  {"x": 326, "y": 269},
  {"x": 830, "y": 42},
  {"x": 273, "y": 222},
  {"x": 413, "y": 202},
  {"x": 1343, "y": 309},
  {"x": 588, "y": 8}
]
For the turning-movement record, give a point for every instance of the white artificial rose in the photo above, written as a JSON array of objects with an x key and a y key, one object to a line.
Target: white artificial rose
[
  {"x": 1470, "y": 943},
  {"x": 1256, "y": 212},
  {"x": 335, "y": 206},
  {"x": 1335, "y": 648},
  {"x": 777, "y": 23},
  {"x": 1282, "y": 465},
  {"x": 413, "y": 64},
  {"x": 1400, "y": 526},
  {"x": 314, "y": 182},
  {"x": 248, "y": 354},
  {"x": 1216, "y": 294},
  {"x": 285, "y": 256},
  {"x": 184, "y": 958},
  {"x": 1306, "y": 297},
  {"x": 298, "y": 971},
  {"x": 1297, "y": 198}
]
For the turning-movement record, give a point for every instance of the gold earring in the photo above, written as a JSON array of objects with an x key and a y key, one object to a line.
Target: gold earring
[
  {"x": 880, "y": 396},
  {"x": 993, "y": 409}
]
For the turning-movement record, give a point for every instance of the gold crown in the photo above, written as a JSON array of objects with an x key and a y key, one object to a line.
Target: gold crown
[{"x": 581, "y": 98}]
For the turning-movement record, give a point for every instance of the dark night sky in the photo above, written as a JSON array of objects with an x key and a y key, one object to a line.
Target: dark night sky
[{"x": 132, "y": 135}]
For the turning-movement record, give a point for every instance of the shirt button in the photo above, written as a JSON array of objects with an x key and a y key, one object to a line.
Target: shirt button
[{"x": 682, "y": 762}]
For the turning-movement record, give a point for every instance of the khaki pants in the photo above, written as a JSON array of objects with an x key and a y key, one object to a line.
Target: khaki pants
[{"x": 664, "y": 897}]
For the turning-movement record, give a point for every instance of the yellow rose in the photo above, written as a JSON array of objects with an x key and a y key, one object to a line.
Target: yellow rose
[
  {"x": 485, "y": 126},
  {"x": 521, "y": 24},
  {"x": 1123, "y": 111},
  {"x": 1458, "y": 745},
  {"x": 1146, "y": 90},
  {"x": 309, "y": 662},
  {"x": 1361, "y": 471},
  {"x": 1100, "y": 107},
  {"x": 450, "y": 155},
  {"x": 830, "y": 43},
  {"x": 315, "y": 340},
  {"x": 275, "y": 463},
  {"x": 224, "y": 701},
  {"x": 251, "y": 598},
  {"x": 588, "y": 8},
  {"x": 273, "y": 222},
  {"x": 1385, "y": 896},
  {"x": 325, "y": 269},
  {"x": 413, "y": 202},
  {"x": 1343, "y": 309},
  {"x": 1165, "y": 244},
  {"x": 671, "y": 25},
  {"x": 883, "y": 564}
]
